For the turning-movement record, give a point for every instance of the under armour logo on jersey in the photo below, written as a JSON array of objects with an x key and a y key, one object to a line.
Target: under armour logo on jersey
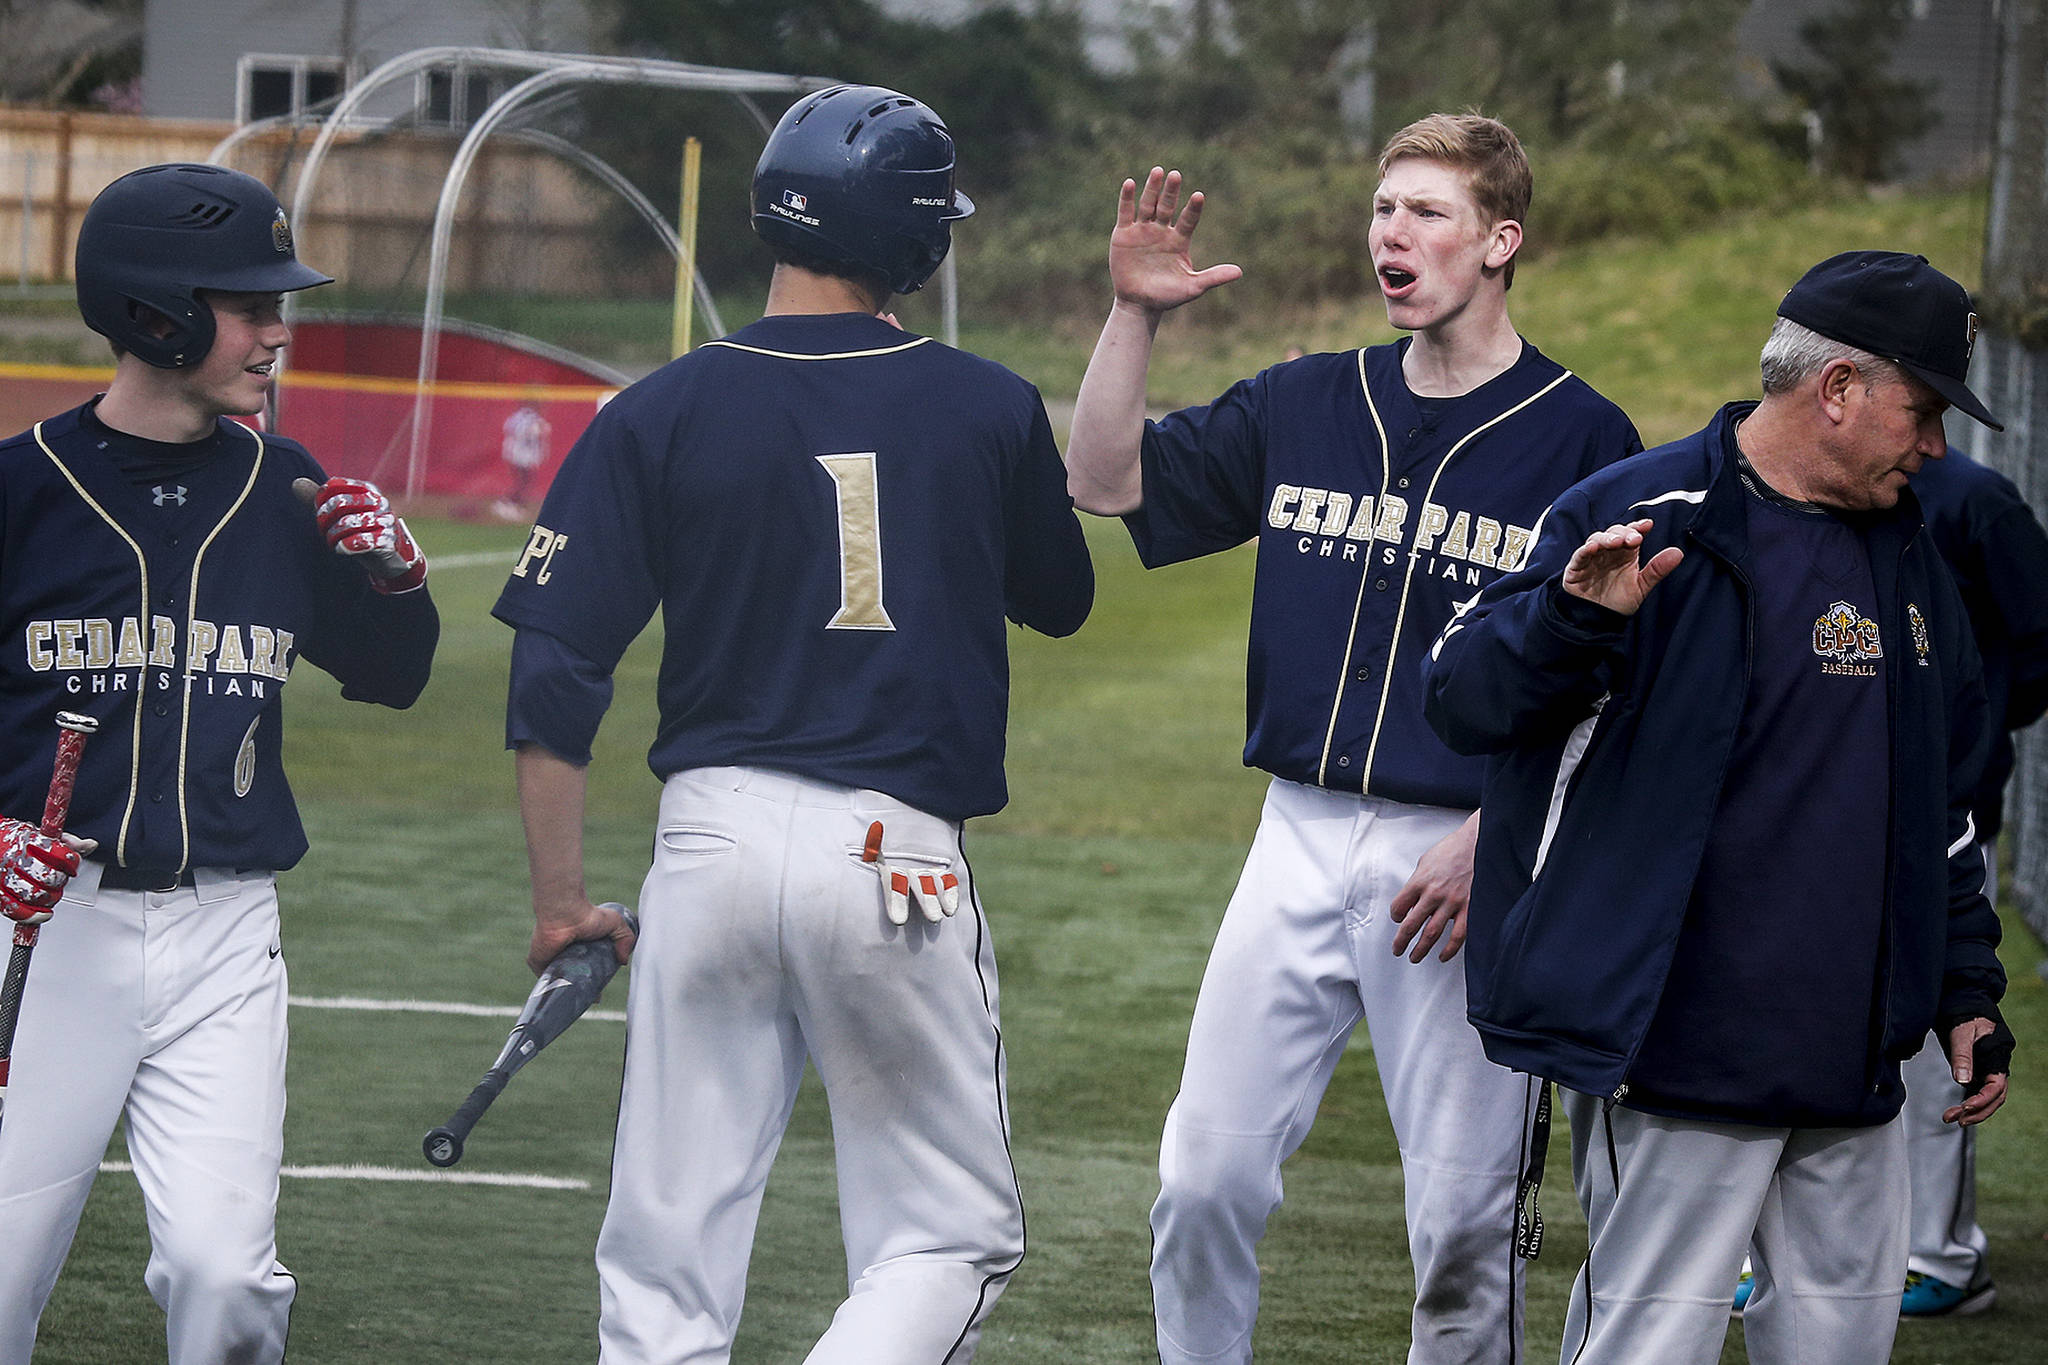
[{"x": 166, "y": 495}]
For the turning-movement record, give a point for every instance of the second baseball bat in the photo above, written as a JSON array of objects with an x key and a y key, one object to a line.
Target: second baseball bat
[
  {"x": 570, "y": 985},
  {"x": 71, "y": 732}
]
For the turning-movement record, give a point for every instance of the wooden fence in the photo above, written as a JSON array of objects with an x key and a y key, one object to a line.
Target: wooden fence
[{"x": 528, "y": 222}]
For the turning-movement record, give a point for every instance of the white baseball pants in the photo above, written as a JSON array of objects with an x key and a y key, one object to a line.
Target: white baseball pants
[
  {"x": 1672, "y": 1204},
  {"x": 1305, "y": 951},
  {"x": 168, "y": 1007},
  {"x": 1947, "y": 1241},
  {"x": 764, "y": 940}
]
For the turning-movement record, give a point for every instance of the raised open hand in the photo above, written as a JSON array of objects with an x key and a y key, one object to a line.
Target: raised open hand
[
  {"x": 1605, "y": 569},
  {"x": 1149, "y": 263}
]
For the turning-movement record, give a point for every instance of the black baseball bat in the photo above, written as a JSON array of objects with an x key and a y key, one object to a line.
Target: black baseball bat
[
  {"x": 569, "y": 985},
  {"x": 71, "y": 732}
]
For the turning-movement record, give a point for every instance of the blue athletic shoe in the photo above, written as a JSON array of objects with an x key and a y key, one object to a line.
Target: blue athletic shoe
[
  {"x": 1744, "y": 1283},
  {"x": 1927, "y": 1297}
]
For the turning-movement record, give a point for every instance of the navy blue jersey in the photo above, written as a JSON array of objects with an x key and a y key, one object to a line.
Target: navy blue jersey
[
  {"x": 1998, "y": 553},
  {"x": 834, "y": 517},
  {"x": 173, "y": 610},
  {"x": 1374, "y": 518}
]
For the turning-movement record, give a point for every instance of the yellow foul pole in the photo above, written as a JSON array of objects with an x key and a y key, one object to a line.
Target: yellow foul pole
[{"x": 686, "y": 254}]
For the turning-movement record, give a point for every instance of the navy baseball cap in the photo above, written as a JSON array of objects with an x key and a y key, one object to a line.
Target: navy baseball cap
[{"x": 1900, "y": 308}]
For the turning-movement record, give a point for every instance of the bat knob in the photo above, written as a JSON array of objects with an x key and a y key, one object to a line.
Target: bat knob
[{"x": 443, "y": 1147}]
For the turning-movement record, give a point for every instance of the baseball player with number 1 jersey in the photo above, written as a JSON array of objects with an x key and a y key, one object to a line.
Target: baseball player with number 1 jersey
[
  {"x": 165, "y": 570},
  {"x": 1383, "y": 486},
  {"x": 834, "y": 517}
]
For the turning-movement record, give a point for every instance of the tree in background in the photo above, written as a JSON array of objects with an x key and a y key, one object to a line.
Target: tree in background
[
  {"x": 1866, "y": 113},
  {"x": 1005, "y": 81},
  {"x": 71, "y": 52}
]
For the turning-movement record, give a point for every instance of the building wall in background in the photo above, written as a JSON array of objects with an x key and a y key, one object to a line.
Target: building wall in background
[{"x": 192, "y": 49}]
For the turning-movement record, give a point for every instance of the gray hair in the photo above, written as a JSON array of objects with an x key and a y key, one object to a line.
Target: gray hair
[{"x": 1793, "y": 354}]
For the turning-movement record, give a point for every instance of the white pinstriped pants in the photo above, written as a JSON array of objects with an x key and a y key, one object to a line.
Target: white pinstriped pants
[
  {"x": 167, "y": 1008},
  {"x": 1304, "y": 954},
  {"x": 763, "y": 940}
]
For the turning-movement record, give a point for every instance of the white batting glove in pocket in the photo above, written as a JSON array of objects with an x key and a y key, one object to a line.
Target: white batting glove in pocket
[{"x": 933, "y": 889}]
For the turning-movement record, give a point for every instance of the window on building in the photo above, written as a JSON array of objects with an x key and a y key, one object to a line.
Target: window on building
[
  {"x": 270, "y": 86},
  {"x": 456, "y": 99}
]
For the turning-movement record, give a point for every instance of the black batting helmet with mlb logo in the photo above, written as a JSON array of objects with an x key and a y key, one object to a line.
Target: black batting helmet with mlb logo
[
  {"x": 863, "y": 176},
  {"x": 156, "y": 237}
]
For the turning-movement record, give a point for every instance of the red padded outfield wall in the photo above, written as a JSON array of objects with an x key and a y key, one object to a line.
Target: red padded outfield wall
[{"x": 348, "y": 391}]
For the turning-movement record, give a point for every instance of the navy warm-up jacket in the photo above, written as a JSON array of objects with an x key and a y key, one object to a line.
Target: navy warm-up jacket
[{"x": 1609, "y": 736}]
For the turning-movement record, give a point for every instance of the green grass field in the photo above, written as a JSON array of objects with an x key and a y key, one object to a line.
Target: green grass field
[{"x": 1105, "y": 880}]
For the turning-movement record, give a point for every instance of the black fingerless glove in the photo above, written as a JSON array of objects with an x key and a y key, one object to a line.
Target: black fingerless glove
[{"x": 1991, "y": 1055}]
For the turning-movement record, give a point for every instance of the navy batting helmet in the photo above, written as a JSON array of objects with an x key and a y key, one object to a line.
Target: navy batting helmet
[
  {"x": 157, "y": 236},
  {"x": 862, "y": 175}
]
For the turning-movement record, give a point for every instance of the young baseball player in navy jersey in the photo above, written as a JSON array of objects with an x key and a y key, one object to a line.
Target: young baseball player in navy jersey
[
  {"x": 834, "y": 517},
  {"x": 163, "y": 570},
  {"x": 1728, "y": 877},
  {"x": 1383, "y": 486}
]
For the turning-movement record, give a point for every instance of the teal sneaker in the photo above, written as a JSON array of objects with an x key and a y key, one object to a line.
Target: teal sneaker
[
  {"x": 1744, "y": 1283},
  {"x": 1927, "y": 1297}
]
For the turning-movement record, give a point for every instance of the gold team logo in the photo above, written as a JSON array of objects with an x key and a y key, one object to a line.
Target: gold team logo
[
  {"x": 1847, "y": 642},
  {"x": 281, "y": 234},
  {"x": 1918, "y": 625}
]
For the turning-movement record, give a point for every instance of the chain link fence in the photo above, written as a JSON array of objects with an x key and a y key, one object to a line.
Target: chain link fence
[{"x": 2010, "y": 371}]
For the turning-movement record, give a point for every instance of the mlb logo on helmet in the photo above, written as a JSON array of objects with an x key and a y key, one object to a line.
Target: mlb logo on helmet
[
  {"x": 795, "y": 200},
  {"x": 281, "y": 234}
]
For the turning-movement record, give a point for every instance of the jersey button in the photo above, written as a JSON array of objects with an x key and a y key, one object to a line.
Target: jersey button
[
  {"x": 162, "y": 710},
  {"x": 1404, "y": 483},
  {"x": 1343, "y": 760},
  {"x": 1379, "y": 585},
  {"x": 157, "y": 800}
]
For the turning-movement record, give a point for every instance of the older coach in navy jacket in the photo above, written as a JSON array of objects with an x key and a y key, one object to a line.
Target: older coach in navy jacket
[{"x": 1726, "y": 876}]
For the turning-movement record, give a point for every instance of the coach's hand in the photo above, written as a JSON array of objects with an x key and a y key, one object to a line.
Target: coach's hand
[
  {"x": 1605, "y": 569},
  {"x": 1149, "y": 263},
  {"x": 358, "y": 522},
  {"x": 1431, "y": 907},
  {"x": 1979, "y": 1057},
  {"x": 34, "y": 869}
]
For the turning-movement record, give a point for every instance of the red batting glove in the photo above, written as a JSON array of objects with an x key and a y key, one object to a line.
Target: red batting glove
[
  {"x": 34, "y": 868},
  {"x": 358, "y": 522}
]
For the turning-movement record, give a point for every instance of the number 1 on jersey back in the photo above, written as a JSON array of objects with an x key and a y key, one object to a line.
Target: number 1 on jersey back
[{"x": 860, "y": 543}]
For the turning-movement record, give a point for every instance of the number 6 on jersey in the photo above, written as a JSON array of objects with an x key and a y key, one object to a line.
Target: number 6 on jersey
[{"x": 860, "y": 543}]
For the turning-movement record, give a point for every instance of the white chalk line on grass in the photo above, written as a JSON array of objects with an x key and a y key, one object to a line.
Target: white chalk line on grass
[
  {"x": 394, "y": 1174},
  {"x": 356, "y": 1002},
  {"x": 472, "y": 560}
]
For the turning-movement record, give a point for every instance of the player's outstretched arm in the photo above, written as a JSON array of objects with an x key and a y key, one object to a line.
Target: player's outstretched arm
[
  {"x": 551, "y": 799},
  {"x": 1152, "y": 270}
]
